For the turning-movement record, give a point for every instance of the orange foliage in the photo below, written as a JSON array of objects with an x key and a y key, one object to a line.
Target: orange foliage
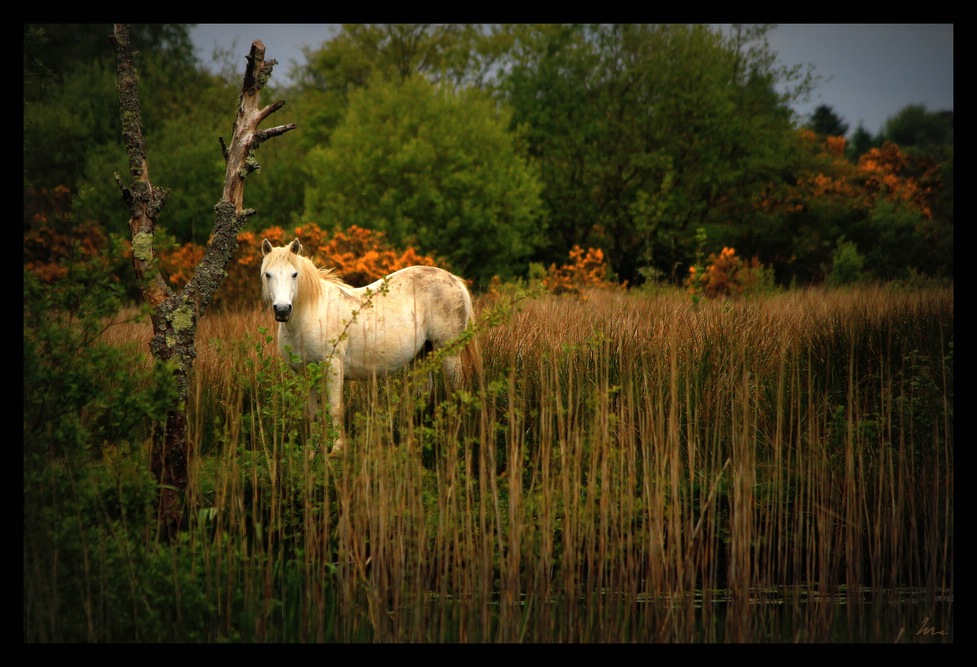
[
  {"x": 886, "y": 171},
  {"x": 179, "y": 264},
  {"x": 880, "y": 173},
  {"x": 53, "y": 238},
  {"x": 586, "y": 269},
  {"x": 359, "y": 256},
  {"x": 835, "y": 146},
  {"x": 721, "y": 274},
  {"x": 724, "y": 276}
]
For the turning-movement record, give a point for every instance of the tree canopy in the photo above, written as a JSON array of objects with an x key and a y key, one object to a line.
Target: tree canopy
[
  {"x": 826, "y": 123},
  {"x": 433, "y": 167},
  {"x": 645, "y": 133},
  {"x": 497, "y": 146}
]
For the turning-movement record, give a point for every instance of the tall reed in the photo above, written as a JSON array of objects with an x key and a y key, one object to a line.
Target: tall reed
[{"x": 628, "y": 468}]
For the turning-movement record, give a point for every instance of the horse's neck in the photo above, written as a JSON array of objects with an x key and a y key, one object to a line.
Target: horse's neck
[{"x": 334, "y": 301}]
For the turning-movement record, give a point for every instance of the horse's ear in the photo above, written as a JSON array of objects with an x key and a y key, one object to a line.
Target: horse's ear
[
  {"x": 265, "y": 247},
  {"x": 295, "y": 246}
]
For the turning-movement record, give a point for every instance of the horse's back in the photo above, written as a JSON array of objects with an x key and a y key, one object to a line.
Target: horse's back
[{"x": 441, "y": 296}]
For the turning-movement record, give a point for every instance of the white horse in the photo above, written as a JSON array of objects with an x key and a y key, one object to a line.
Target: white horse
[{"x": 362, "y": 332}]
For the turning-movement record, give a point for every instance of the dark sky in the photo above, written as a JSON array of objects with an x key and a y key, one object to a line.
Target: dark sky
[{"x": 870, "y": 71}]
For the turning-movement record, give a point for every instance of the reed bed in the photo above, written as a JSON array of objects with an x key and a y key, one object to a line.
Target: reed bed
[{"x": 625, "y": 468}]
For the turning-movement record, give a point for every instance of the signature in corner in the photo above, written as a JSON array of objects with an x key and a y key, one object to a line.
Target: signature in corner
[{"x": 926, "y": 629}]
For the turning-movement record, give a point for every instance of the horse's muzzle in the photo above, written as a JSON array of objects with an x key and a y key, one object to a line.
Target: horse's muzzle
[{"x": 282, "y": 313}]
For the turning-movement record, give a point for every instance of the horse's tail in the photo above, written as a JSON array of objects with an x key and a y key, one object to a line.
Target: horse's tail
[
  {"x": 471, "y": 354},
  {"x": 471, "y": 362}
]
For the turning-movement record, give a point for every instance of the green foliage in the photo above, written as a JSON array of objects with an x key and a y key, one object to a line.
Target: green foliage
[
  {"x": 185, "y": 159},
  {"x": 88, "y": 494},
  {"x": 552, "y": 66},
  {"x": 636, "y": 135},
  {"x": 846, "y": 264},
  {"x": 892, "y": 244},
  {"x": 915, "y": 127},
  {"x": 75, "y": 118},
  {"x": 55, "y": 49},
  {"x": 660, "y": 130},
  {"x": 861, "y": 142},
  {"x": 277, "y": 192},
  {"x": 697, "y": 272},
  {"x": 80, "y": 391},
  {"x": 928, "y": 378},
  {"x": 434, "y": 169},
  {"x": 83, "y": 532},
  {"x": 72, "y": 134},
  {"x": 74, "y": 105},
  {"x": 389, "y": 52},
  {"x": 190, "y": 166},
  {"x": 826, "y": 123}
]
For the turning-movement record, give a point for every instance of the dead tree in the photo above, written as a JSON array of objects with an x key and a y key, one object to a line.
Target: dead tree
[{"x": 175, "y": 314}]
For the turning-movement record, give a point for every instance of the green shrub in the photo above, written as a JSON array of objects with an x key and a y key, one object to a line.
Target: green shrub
[
  {"x": 846, "y": 264},
  {"x": 87, "y": 499}
]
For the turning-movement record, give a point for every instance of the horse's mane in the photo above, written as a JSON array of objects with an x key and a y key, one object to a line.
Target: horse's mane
[
  {"x": 330, "y": 275},
  {"x": 310, "y": 273}
]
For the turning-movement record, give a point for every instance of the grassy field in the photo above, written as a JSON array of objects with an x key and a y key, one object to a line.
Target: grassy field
[{"x": 625, "y": 468}]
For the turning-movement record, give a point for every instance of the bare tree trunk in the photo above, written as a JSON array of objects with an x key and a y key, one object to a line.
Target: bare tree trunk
[{"x": 176, "y": 314}]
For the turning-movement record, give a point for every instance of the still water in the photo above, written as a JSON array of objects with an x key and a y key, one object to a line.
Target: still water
[{"x": 771, "y": 615}]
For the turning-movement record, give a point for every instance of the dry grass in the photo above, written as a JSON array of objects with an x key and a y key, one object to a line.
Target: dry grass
[{"x": 630, "y": 468}]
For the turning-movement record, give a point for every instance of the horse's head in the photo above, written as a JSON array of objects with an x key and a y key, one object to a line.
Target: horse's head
[{"x": 280, "y": 276}]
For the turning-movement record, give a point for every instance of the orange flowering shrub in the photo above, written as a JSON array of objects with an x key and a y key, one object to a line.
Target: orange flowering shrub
[
  {"x": 47, "y": 250},
  {"x": 586, "y": 269},
  {"x": 359, "y": 256},
  {"x": 725, "y": 276},
  {"x": 178, "y": 265},
  {"x": 53, "y": 239},
  {"x": 835, "y": 146},
  {"x": 887, "y": 173}
]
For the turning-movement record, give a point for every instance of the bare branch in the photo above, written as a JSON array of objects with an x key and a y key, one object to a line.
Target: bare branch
[
  {"x": 230, "y": 215},
  {"x": 239, "y": 154},
  {"x": 274, "y": 131},
  {"x": 270, "y": 109}
]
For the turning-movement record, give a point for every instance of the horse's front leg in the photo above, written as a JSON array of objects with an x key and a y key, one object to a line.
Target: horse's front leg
[
  {"x": 313, "y": 412},
  {"x": 313, "y": 405},
  {"x": 331, "y": 385},
  {"x": 334, "y": 396}
]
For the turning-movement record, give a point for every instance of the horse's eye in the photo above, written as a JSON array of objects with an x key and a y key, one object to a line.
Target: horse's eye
[
  {"x": 295, "y": 275},
  {"x": 267, "y": 275}
]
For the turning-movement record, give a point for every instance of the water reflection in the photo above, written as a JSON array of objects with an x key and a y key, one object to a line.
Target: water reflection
[{"x": 769, "y": 615}]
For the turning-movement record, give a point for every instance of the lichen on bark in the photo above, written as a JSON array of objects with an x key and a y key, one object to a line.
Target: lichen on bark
[
  {"x": 142, "y": 246},
  {"x": 182, "y": 317}
]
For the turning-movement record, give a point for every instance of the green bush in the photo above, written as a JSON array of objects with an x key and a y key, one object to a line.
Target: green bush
[
  {"x": 846, "y": 264},
  {"x": 87, "y": 499}
]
